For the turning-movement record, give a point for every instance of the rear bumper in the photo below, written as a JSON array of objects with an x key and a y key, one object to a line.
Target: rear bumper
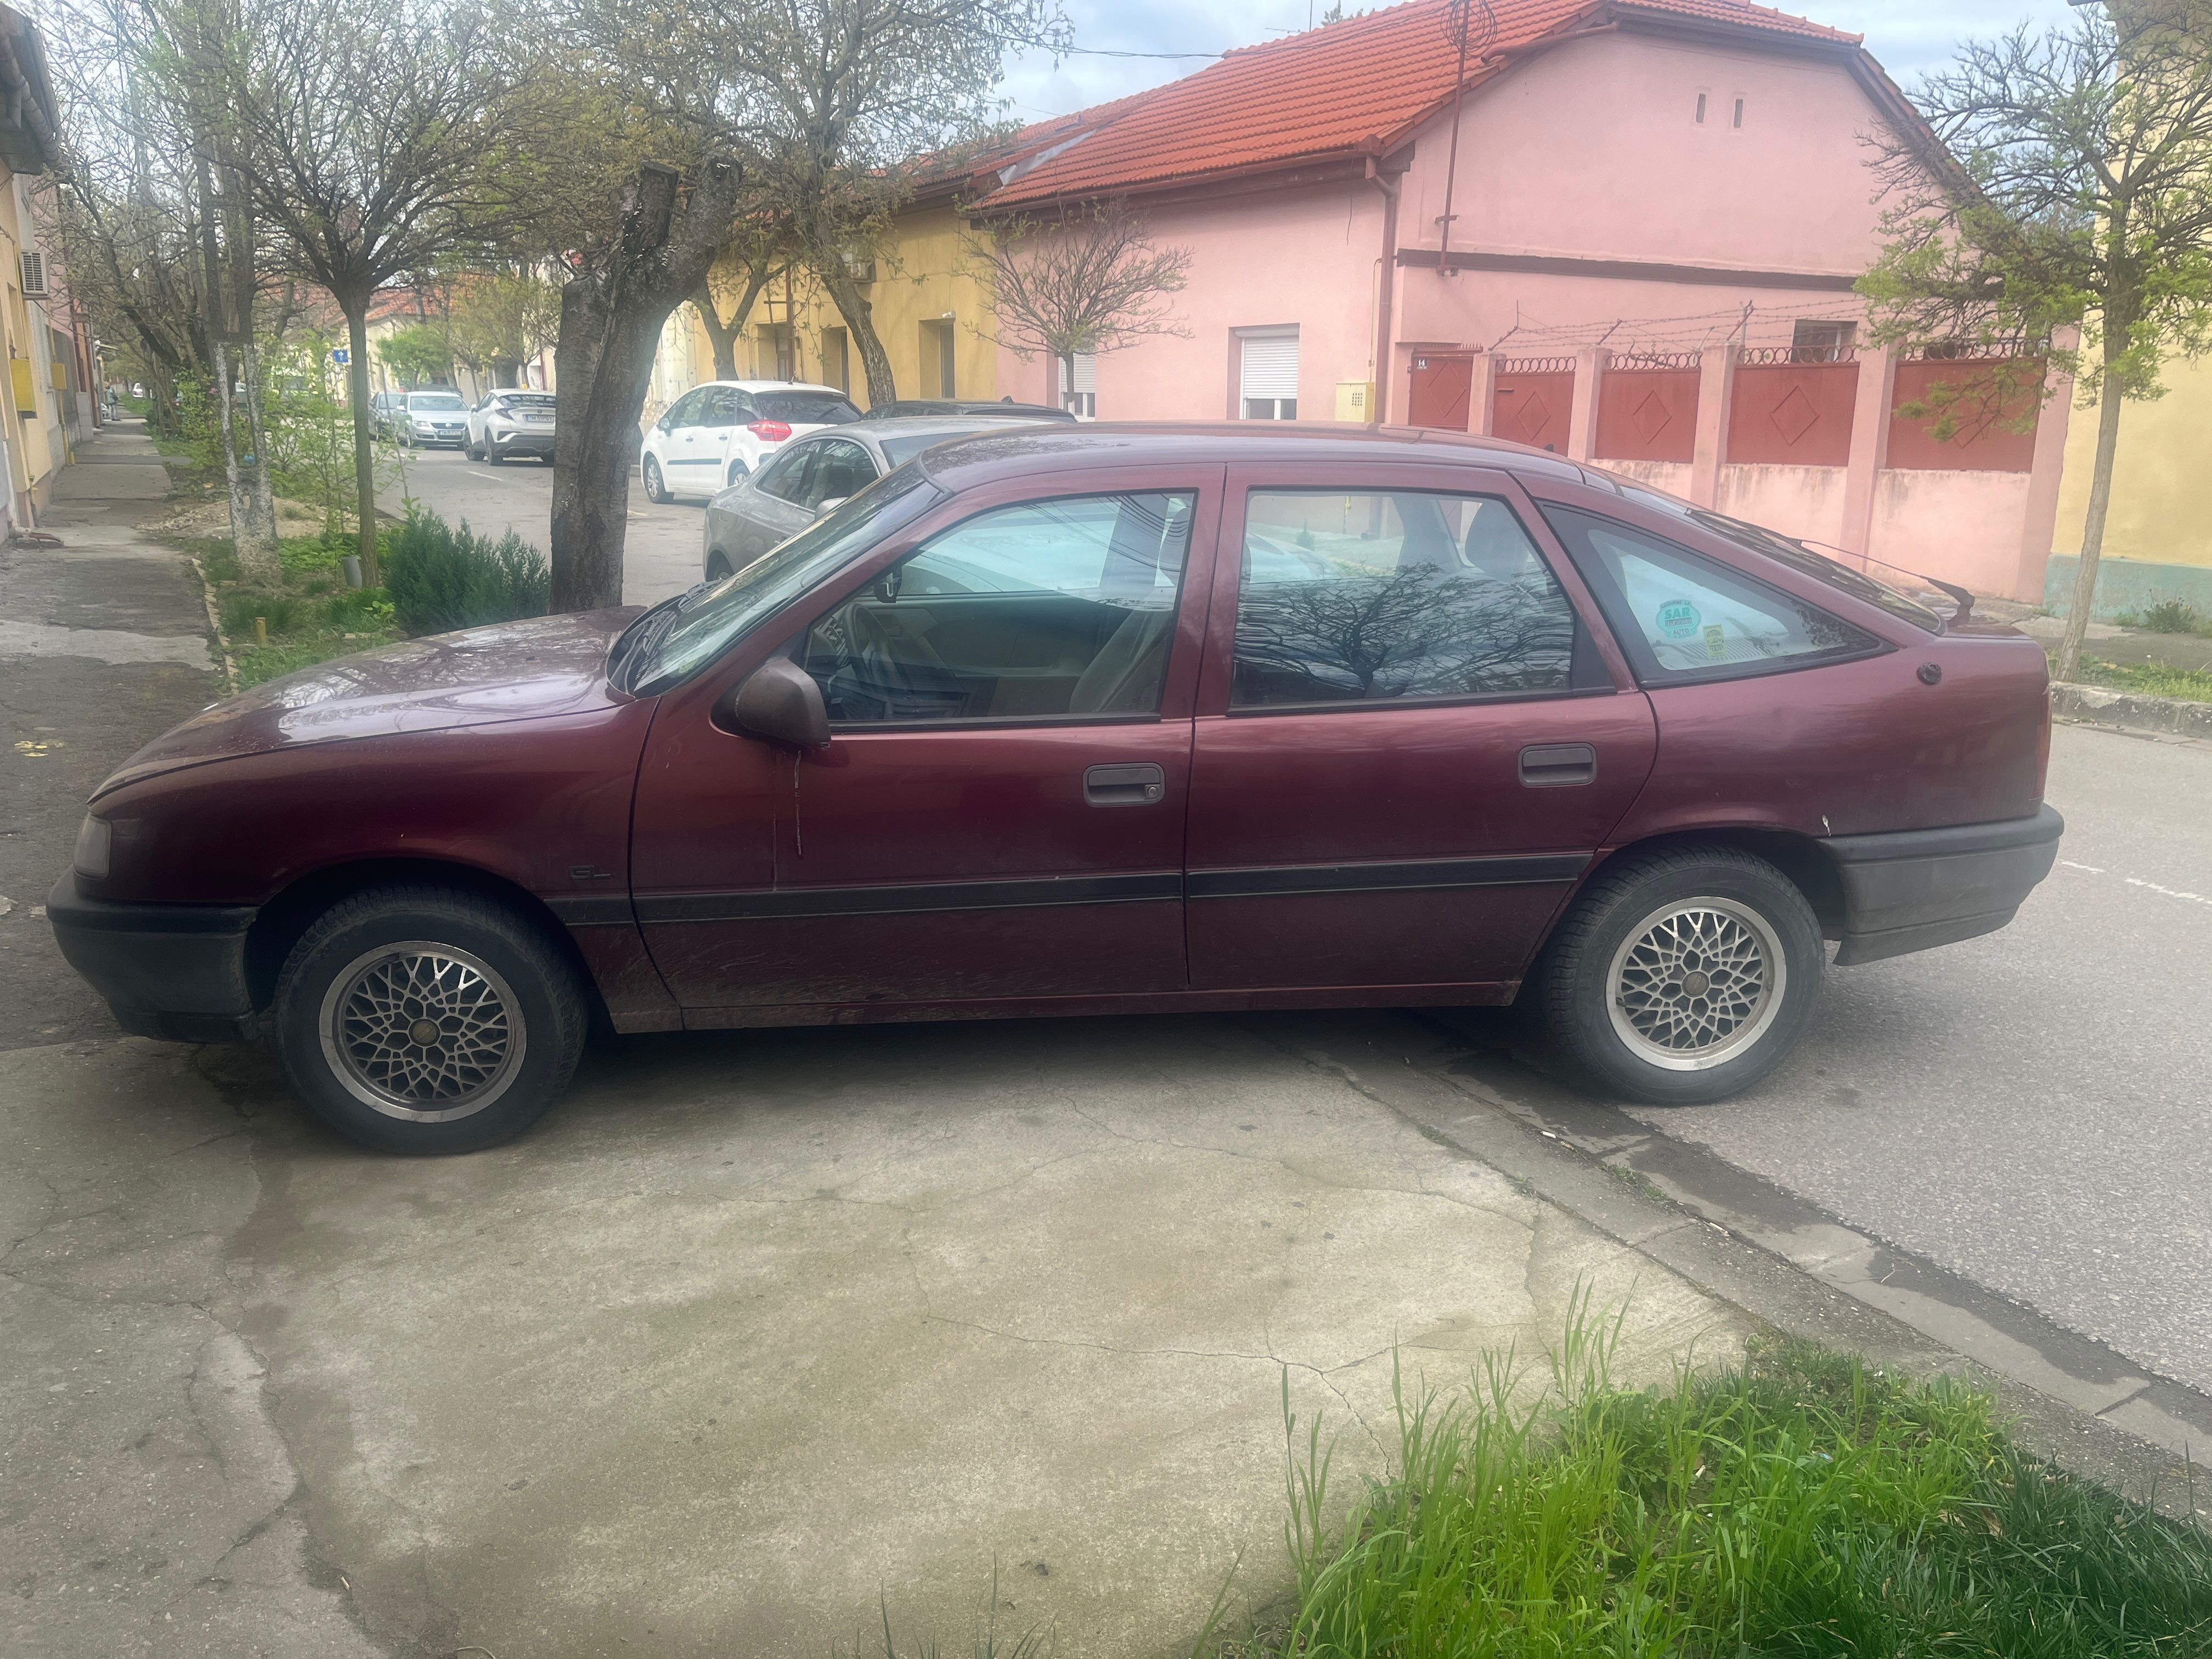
[
  {"x": 1912, "y": 889},
  {"x": 176, "y": 971},
  {"x": 519, "y": 443}
]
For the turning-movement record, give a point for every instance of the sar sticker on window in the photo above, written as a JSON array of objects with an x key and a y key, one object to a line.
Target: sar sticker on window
[
  {"x": 1715, "y": 641},
  {"x": 1678, "y": 619}
]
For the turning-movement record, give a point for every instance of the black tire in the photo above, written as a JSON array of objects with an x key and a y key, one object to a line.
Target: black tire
[
  {"x": 497, "y": 976},
  {"x": 474, "y": 452},
  {"x": 492, "y": 457},
  {"x": 717, "y": 566},
  {"x": 656, "y": 487},
  {"x": 739, "y": 473},
  {"x": 1621, "y": 988}
]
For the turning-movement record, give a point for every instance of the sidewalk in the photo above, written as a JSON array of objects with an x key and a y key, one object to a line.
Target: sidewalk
[{"x": 103, "y": 646}]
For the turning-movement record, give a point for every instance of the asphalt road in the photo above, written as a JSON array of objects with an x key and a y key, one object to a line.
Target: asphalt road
[{"x": 661, "y": 556}]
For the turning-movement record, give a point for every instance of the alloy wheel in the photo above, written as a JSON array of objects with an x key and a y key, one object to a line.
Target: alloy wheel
[
  {"x": 423, "y": 1031},
  {"x": 1696, "y": 982}
]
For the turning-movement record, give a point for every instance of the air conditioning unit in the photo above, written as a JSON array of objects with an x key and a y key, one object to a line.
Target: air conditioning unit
[{"x": 35, "y": 275}]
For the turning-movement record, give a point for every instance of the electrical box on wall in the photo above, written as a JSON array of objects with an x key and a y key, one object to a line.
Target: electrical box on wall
[
  {"x": 26, "y": 387},
  {"x": 1355, "y": 401}
]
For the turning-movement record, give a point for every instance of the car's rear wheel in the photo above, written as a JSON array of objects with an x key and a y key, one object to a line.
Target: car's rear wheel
[
  {"x": 717, "y": 566},
  {"x": 656, "y": 488},
  {"x": 427, "y": 1020},
  {"x": 473, "y": 451},
  {"x": 739, "y": 473},
  {"x": 1681, "y": 975}
]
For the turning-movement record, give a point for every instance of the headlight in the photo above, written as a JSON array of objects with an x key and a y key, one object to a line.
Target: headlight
[{"x": 94, "y": 840}]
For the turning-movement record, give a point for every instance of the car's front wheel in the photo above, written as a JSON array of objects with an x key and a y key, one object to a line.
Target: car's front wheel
[
  {"x": 1681, "y": 975},
  {"x": 656, "y": 487},
  {"x": 428, "y": 1020},
  {"x": 718, "y": 568}
]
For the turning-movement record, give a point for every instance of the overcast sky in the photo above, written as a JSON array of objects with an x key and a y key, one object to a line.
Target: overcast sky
[{"x": 1908, "y": 36}]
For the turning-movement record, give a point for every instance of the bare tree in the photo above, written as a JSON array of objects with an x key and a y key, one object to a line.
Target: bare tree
[
  {"x": 500, "y": 319},
  {"x": 1093, "y": 282},
  {"x": 2064, "y": 177},
  {"x": 366, "y": 133},
  {"x": 761, "y": 251}
]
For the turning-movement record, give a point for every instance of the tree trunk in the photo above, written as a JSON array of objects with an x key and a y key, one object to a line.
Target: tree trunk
[
  {"x": 364, "y": 456},
  {"x": 161, "y": 399},
  {"x": 861, "y": 325},
  {"x": 727, "y": 336},
  {"x": 260, "y": 526},
  {"x": 610, "y": 323},
  {"x": 2092, "y": 526}
]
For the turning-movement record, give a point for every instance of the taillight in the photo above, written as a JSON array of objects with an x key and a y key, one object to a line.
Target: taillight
[{"x": 773, "y": 432}]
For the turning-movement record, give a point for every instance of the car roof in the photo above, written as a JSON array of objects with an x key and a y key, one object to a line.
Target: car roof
[
  {"x": 917, "y": 426},
  {"x": 1033, "y": 445},
  {"x": 774, "y": 386}
]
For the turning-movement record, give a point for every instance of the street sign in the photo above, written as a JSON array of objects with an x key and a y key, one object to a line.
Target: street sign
[{"x": 340, "y": 355}]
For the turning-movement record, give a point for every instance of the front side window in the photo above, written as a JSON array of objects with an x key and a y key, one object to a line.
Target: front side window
[
  {"x": 842, "y": 469},
  {"x": 1061, "y": 608},
  {"x": 685, "y": 411},
  {"x": 1680, "y": 617},
  {"x": 1372, "y": 596},
  {"x": 789, "y": 477}
]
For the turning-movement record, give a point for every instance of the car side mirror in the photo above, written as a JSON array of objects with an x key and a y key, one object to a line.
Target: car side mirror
[
  {"x": 782, "y": 702},
  {"x": 831, "y": 505}
]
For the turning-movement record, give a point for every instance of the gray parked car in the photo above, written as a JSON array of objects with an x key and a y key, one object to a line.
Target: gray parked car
[{"x": 811, "y": 475}]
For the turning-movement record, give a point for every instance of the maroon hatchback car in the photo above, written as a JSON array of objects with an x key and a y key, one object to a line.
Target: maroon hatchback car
[{"x": 1085, "y": 721}]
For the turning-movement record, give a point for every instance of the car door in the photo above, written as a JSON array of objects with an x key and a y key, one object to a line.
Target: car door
[
  {"x": 679, "y": 433},
  {"x": 696, "y": 462},
  {"x": 999, "y": 815},
  {"x": 773, "y": 504},
  {"x": 1412, "y": 736}
]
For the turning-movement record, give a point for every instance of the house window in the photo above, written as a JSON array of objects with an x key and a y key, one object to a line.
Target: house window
[
  {"x": 1812, "y": 342},
  {"x": 836, "y": 359},
  {"x": 1079, "y": 392},
  {"x": 1268, "y": 374},
  {"x": 773, "y": 347}
]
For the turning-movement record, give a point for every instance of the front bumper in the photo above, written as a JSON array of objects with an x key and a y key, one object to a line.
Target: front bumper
[
  {"x": 174, "y": 971},
  {"x": 1912, "y": 889},
  {"x": 529, "y": 441}
]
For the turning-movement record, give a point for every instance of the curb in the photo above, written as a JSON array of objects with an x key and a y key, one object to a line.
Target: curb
[
  {"x": 2176, "y": 716},
  {"x": 1425, "y": 1070}
]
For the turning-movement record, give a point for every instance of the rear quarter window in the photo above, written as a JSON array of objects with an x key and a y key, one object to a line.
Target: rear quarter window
[{"x": 1682, "y": 618}]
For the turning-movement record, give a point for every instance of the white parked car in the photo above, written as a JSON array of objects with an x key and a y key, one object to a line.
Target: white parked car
[
  {"x": 512, "y": 421},
  {"x": 715, "y": 434},
  {"x": 436, "y": 416}
]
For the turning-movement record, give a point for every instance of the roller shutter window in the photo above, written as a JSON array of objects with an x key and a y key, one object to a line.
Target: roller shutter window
[
  {"x": 1080, "y": 397},
  {"x": 1267, "y": 375}
]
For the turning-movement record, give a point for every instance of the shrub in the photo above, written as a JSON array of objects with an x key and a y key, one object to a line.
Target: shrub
[
  {"x": 299, "y": 554},
  {"x": 2169, "y": 617},
  {"x": 441, "y": 578},
  {"x": 241, "y": 607}
]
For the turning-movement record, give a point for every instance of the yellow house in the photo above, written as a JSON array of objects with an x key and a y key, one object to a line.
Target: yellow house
[
  {"x": 35, "y": 437},
  {"x": 2157, "y": 531}
]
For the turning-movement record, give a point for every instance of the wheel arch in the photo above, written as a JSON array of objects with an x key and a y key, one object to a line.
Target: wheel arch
[
  {"x": 1799, "y": 857},
  {"x": 286, "y": 918}
]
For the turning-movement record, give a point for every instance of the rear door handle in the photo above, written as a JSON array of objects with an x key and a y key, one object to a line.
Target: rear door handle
[
  {"x": 1553, "y": 765},
  {"x": 1124, "y": 785}
]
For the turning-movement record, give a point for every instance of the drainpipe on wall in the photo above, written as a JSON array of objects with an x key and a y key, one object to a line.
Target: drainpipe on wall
[{"x": 1385, "y": 286}]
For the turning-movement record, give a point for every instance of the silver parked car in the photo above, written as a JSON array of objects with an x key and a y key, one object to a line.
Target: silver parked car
[
  {"x": 512, "y": 421},
  {"x": 811, "y": 475}
]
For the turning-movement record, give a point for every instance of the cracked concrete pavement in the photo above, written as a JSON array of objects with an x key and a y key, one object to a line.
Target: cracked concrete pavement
[{"x": 754, "y": 1330}]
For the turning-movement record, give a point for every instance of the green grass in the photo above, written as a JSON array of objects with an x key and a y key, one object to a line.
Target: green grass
[
  {"x": 1802, "y": 1507},
  {"x": 311, "y": 615},
  {"x": 2154, "y": 680}
]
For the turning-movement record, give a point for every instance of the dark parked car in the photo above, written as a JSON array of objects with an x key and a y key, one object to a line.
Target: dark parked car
[
  {"x": 1080, "y": 720},
  {"x": 907, "y": 408},
  {"x": 810, "y": 476}
]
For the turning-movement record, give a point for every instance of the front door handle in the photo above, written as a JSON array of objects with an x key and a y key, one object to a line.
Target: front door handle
[
  {"x": 1553, "y": 765},
  {"x": 1124, "y": 785}
]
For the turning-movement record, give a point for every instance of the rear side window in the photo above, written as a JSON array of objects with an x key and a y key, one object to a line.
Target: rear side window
[
  {"x": 805, "y": 408},
  {"x": 1367, "y": 596},
  {"x": 787, "y": 477},
  {"x": 1682, "y": 618}
]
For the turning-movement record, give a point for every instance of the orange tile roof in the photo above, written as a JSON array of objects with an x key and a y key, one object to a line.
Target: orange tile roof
[{"x": 1344, "y": 88}]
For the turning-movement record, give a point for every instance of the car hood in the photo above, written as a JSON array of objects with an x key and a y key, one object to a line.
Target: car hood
[{"x": 479, "y": 677}]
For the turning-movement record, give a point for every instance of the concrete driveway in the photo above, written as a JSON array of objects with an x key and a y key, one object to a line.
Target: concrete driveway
[{"x": 755, "y": 1337}]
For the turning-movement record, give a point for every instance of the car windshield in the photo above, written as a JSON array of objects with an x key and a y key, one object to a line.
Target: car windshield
[
  {"x": 1795, "y": 554},
  {"x": 707, "y": 625},
  {"x": 420, "y": 400},
  {"x": 805, "y": 408}
]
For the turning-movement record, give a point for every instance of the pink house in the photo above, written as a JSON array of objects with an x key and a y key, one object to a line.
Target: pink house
[{"x": 1631, "y": 239}]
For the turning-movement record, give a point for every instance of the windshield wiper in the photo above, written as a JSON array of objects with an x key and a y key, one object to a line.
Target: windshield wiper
[{"x": 633, "y": 646}]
